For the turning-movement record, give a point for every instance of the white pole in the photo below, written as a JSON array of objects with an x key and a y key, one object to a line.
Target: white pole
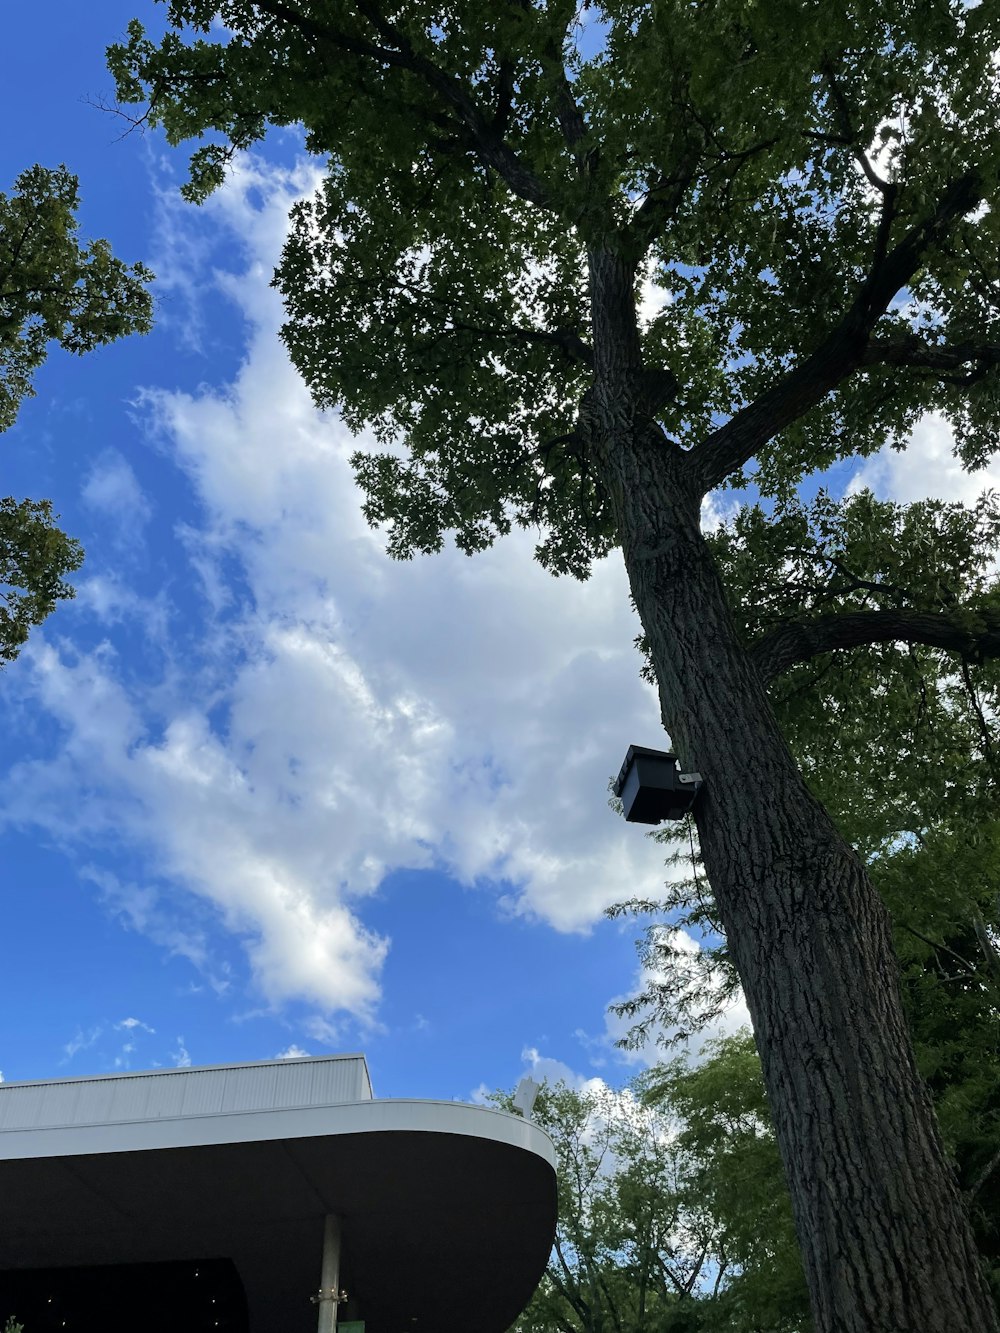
[{"x": 329, "y": 1290}]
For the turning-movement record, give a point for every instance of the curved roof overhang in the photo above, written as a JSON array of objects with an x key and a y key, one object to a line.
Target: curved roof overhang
[{"x": 448, "y": 1210}]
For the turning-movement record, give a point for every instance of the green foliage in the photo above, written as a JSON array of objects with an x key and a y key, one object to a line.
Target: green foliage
[
  {"x": 898, "y": 742},
  {"x": 435, "y": 285},
  {"x": 734, "y": 1171},
  {"x": 634, "y": 1247},
  {"x": 910, "y": 747},
  {"x": 34, "y": 557},
  {"x": 52, "y": 289},
  {"x": 673, "y": 1214}
]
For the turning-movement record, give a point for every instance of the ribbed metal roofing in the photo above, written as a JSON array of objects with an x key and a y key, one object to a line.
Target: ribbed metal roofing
[{"x": 215, "y": 1090}]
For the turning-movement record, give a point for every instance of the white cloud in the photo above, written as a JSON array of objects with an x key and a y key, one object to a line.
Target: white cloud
[
  {"x": 926, "y": 469},
  {"x": 322, "y": 1030},
  {"x": 131, "y": 1024},
  {"x": 546, "y": 1069},
  {"x": 345, "y": 716},
  {"x": 82, "y": 1041},
  {"x": 112, "y": 489},
  {"x": 543, "y": 1069},
  {"x": 109, "y": 1052},
  {"x": 293, "y": 1052},
  {"x": 652, "y": 297},
  {"x": 113, "y": 602},
  {"x": 659, "y": 1041}
]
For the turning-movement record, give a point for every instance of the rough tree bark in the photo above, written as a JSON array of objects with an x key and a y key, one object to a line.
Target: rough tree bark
[{"x": 886, "y": 1244}]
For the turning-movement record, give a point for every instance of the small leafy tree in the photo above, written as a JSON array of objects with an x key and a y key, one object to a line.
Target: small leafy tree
[
  {"x": 634, "y": 1250},
  {"x": 673, "y": 1212},
  {"x": 35, "y": 556},
  {"x": 52, "y": 290},
  {"x": 724, "y": 1131}
]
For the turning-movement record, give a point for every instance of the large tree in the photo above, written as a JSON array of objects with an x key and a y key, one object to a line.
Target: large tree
[
  {"x": 52, "y": 290},
  {"x": 912, "y": 782},
  {"x": 810, "y": 186}
]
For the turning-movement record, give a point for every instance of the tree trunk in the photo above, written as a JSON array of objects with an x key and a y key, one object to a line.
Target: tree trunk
[{"x": 886, "y": 1244}]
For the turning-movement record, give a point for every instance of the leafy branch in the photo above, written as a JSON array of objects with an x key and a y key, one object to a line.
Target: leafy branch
[{"x": 840, "y": 353}]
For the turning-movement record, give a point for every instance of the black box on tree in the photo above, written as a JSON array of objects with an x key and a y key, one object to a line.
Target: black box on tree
[{"x": 652, "y": 787}]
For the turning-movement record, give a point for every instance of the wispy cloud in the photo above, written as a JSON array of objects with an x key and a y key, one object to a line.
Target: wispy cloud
[
  {"x": 112, "y": 1044},
  {"x": 293, "y": 1052},
  {"x": 337, "y": 716},
  {"x": 112, "y": 489},
  {"x": 82, "y": 1041},
  {"x": 175, "y": 927},
  {"x": 133, "y": 1024}
]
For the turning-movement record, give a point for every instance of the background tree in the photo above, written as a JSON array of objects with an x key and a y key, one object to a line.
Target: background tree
[
  {"x": 814, "y": 188},
  {"x": 723, "y": 1132},
  {"x": 634, "y": 1250},
  {"x": 52, "y": 290},
  {"x": 673, "y": 1212}
]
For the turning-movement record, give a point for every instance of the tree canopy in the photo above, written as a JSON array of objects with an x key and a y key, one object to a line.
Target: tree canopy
[
  {"x": 786, "y": 175},
  {"x": 52, "y": 290},
  {"x": 811, "y": 190}
]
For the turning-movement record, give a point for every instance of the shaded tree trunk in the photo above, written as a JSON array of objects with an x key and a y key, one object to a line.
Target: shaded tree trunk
[{"x": 886, "y": 1244}]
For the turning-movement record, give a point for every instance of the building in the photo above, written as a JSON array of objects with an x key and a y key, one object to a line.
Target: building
[{"x": 275, "y": 1197}]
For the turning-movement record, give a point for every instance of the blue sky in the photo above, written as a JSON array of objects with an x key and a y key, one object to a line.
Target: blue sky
[{"x": 264, "y": 790}]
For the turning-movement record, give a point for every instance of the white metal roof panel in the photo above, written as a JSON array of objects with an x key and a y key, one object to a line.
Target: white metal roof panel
[{"x": 309, "y": 1082}]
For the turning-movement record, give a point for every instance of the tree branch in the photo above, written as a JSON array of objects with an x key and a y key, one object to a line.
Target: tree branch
[
  {"x": 983, "y": 1176},
  {"x": 913, "y": 351},
  {"x": 840, "y": 353},
  {"x": 571, "y": 121},
  {"x": 975, "y": 635},
  {"x": 661, "y": 203},
  {"x": 395, "y": 49},
  {"x": 939, "y": 948},
  {"x": 850, "y": 134},
  {"x": 568, "y": 1289},
  {"x": 568, "y": 341}
]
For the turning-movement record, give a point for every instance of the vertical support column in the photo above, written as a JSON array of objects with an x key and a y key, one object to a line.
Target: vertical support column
[{"x": 329, "y": 1288}]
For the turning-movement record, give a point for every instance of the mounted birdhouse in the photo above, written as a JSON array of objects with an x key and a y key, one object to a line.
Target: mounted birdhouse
[{"x": 652, "y": 787}]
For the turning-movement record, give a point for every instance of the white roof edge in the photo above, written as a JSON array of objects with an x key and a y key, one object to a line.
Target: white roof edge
[
  {"x": 388, "y": 1115},
  {"x": 183, "y": 1069}
]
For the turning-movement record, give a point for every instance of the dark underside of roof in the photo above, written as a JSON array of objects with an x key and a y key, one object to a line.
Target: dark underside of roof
[{"x": 441, "y": 1232}]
